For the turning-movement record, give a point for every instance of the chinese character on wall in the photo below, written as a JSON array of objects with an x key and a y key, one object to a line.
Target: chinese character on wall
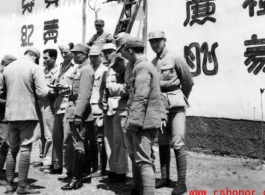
[
  {"x": 251, "y": 4},
  {"x": 255, "y": 55},
  {"x": 201, "y": 9},
  {"x": 27, "y": 6},
  {"x": 50, "y": 2},
  {"x": 51, "y": 31},
  {"x": 207, "y": 56}
]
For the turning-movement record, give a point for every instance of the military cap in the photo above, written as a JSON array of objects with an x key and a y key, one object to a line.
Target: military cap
[
  {"x": 134, "y": 42},
  {"x": 121, "y": 40},
  {"x": 7, "y": 59},
  {"x": 81, "y": 47},
  {"x": 99, "y": 22},
  {"x": 109, "y": 46},
  {"x": 95, "y": 51},
  {"x": 156, "y": 35},
  {"x": 33, "y": 49},
  {"x": 114, "y": 58}
]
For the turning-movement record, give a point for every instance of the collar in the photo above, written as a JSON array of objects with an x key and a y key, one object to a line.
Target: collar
[
  {"x": 139, "y": 60},
  {"x": 100, "y": 33},
  {"x": 65, "y": 67},
  {"x": 53, "y": 70},
  {"x": 162, "y": 55}
]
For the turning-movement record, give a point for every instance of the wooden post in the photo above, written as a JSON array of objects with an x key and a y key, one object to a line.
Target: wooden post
[
  {"x": 84, "y": 21},
  {"x": 145, "y": 23}
]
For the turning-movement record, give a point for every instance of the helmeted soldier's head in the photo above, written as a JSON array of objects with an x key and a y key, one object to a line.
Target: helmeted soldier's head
[
  {"x": 99, "y": 25},
  {"x": 7, "y": 59},
  {"x": 80, "y": 52},
  {"x": 135, "y": 47},
  {"x": 108, "y": 49},
  {"x": 157, "y": 41},
  {"x": 95, "y": 55},
  {"x": 120, "y": 44}
]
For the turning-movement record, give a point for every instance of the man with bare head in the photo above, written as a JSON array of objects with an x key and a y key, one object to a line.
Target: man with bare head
[{"x": 62, "y": 140}]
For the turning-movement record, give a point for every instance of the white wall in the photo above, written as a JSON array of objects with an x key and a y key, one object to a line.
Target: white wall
[{"x": 231, "y": 93}]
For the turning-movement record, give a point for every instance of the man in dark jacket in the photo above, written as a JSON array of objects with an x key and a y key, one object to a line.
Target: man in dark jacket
[
  {"x": 4, "y": 145},
  {"x": 176, "y": 84},
  {"x": 79, "y": 114},
  {"x": 144, "y": 116}
]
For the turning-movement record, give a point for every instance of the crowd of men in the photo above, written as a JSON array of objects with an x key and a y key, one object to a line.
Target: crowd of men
[{"x": 104, "y": 103}]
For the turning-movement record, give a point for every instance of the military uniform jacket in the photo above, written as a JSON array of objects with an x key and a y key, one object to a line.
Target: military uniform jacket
[
  {"x": 144, "y": 101},
  {"x": 174, "y": 73},
  {"x": 23, "y": 81},
  {"x": 66, "y": 76},
  {"x": 98, "y": 90},
  {"x": 82, "y": 91},
  {"x": 101, "y": 39}
]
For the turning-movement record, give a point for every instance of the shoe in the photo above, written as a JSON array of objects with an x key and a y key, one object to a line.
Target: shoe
[
  {"x": 43, "y": 168},
  {"x": 111, "y": 175},
  {"x": 64, "y": 176},
  {"x": 11, "y": 188},
  {"x": 129, "y": 183},
  {"x": 27, "y": 190},
  {"x": 179, "y": 189},
  {"x": 118, "y": 179},
  {"x": 74, "y": 184},
  {"x": 86, "y": 178},
  {"x": 162, "y": 183},
  {"x": 37, "y": 164},
  {"x": 54, "y": 171},
  {"x": 135, "y": 192}
]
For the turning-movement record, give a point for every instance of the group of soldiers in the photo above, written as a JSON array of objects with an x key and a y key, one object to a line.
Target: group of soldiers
[{"x": 104, "y": 102}]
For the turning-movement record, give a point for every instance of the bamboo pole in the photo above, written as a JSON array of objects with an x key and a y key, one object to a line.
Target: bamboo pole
[
  {"x": 84, "y": 22},
  {"x": 145, "y": 23}
]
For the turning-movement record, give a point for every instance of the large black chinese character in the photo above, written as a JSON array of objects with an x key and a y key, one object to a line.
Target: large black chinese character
[
  {"x": 208, "y": 56},
  {"x": 252, "y": 4},
  {"x": 255, "y": 54},
  {"x": 200, "y": 8},
  {"x": 28, "y": 6},
  {"x": 51, "y": 28},
  {"x": 50, "y": 2}
]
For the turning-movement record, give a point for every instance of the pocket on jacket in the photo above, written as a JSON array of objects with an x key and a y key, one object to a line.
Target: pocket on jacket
[{"x": 166, "y": 71}]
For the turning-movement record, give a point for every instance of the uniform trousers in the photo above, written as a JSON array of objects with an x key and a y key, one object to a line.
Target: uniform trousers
[
  {"x": 4, "y": 145},
  {"x": 46, "y": 124},
  {"x": 175, "y": 130},
  {"x": 115, "y": 144},
  {"x": 63, "y": 149}
]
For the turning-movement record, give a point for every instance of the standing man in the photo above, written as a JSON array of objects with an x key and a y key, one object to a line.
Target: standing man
[
  {"x": 62, "y": 139},
  {"x": 176, "y": 84},
  {"x": 95, "y": 56},
  {"x": 144, "y": 117},
  {"x": 115, "y": 98},
  {"x": 101, "y": 37},
  {"x": 79, "y": 114},
  {"x": 46, "y": 107},
  {"x": 24, "y": 82},
  {"x": 4, "y": 145}
]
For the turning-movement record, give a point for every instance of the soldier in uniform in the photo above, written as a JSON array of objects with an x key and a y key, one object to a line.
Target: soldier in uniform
[
  {"x": 23, "y": 81},
  {"x": 95, "y": 56},
  {"x": 115, "y": 100},
  {"x": 4, "y": 145},
  {"x": 144, "y": 118},
  {"x": 62, "y": 139},
  {"x": 46, "y": 107},
  {"x": 101, "y": 37},
  {"x": 108, "y": 49},
  {"x": 79, "y": 115},
  {"x": 176, "y": 84}
]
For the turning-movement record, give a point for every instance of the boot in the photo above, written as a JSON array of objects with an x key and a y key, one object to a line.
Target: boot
[
  {"x": 27, "y": 190},
  {"x": 11, "y": 188},
  {"x": 164, "y": 154},
  {"x": 76, "y": 181},
  {"x": 101, "y": 171},
  {"x": 181, "y": 161},
  {"x": 86, "y": 177},
  {"x": 94, "y": 156}
]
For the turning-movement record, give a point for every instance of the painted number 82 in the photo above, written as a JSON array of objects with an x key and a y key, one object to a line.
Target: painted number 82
[{"x": 25, "y": 36}]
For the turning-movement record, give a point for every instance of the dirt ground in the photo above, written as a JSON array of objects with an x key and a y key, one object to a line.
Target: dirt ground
[{"x": 205, "y": 172}]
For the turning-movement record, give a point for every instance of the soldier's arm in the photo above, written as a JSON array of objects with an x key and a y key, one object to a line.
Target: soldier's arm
[
  {"x": 141, "y": 96},
  {"x": 2, "y": 91},
  {"x": 41, "y": 88},
  {"x": 91, "y": 41},
  {"x": 185, "y": 76},
  {"x": 85, "y": 91}
]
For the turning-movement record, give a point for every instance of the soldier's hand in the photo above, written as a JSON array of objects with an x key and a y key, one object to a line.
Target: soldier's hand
[
  {"x": 162, "y": 125},
  {"x": 61, "y": 86},
  {"x": 132, "y": 129},
  {"x": 77, "y": 120}
]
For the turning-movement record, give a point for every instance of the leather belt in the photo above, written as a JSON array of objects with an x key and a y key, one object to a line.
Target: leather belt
[{"x": 169, "y": 89}]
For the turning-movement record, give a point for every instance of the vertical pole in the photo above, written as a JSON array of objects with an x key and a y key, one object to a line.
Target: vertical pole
[
  {"x": 84, "y": 22},
  {"x": 261, "y": 151},
  {"x": 145, "y": 24}
]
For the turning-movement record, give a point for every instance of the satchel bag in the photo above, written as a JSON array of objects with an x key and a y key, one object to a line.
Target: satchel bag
[{"x": 177, "y": 99}]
